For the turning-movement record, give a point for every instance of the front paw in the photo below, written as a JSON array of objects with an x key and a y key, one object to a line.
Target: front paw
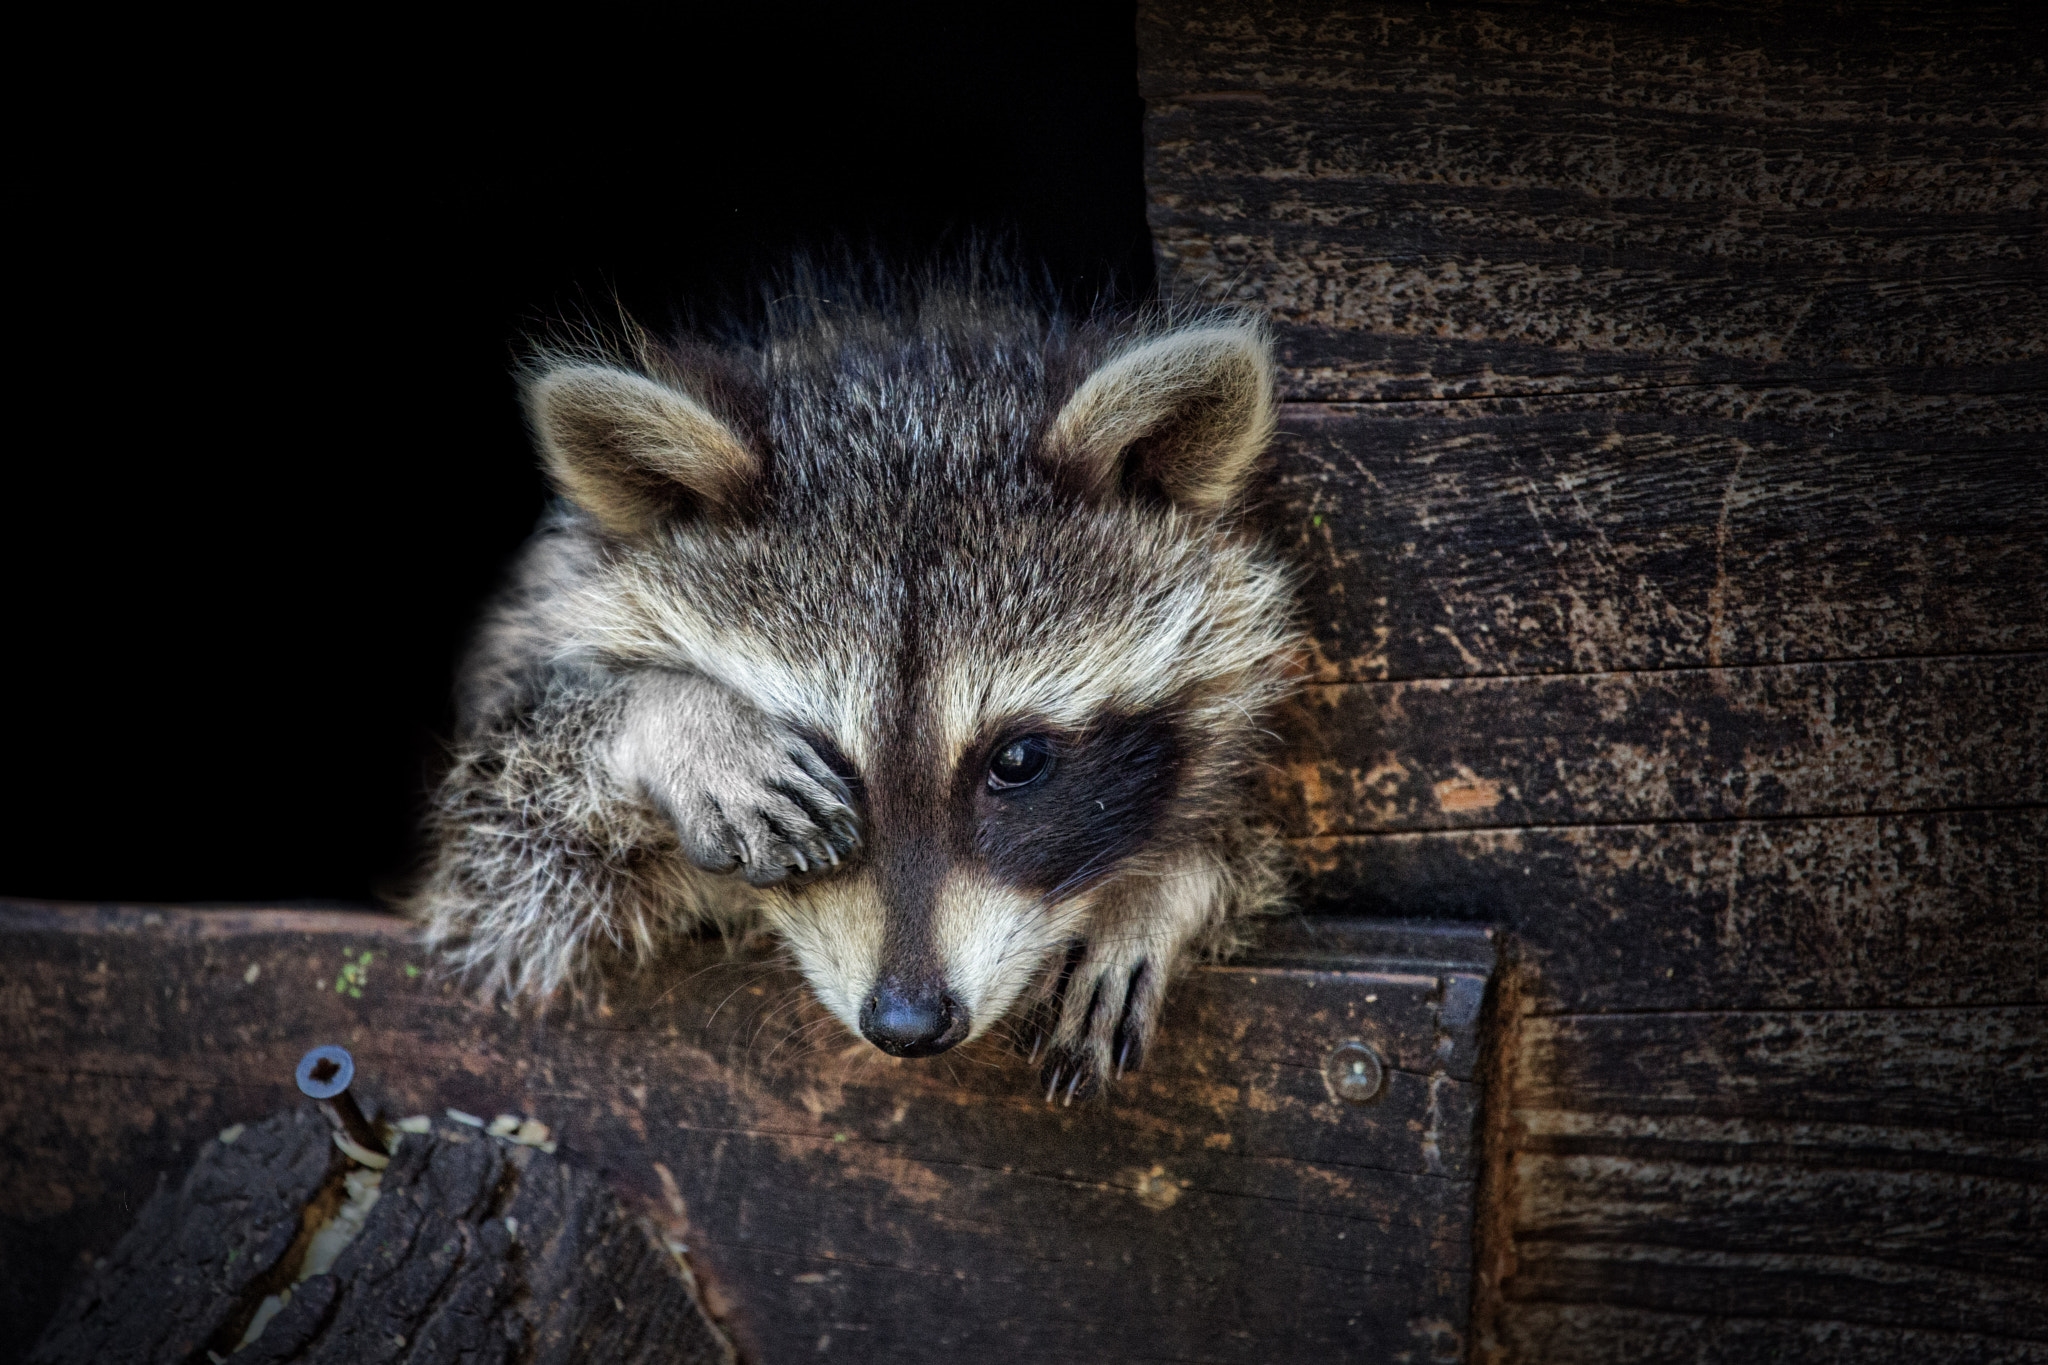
[
  {"x": 745, "y": 793},
  {"x": 1097, "y": 1020},
  {"x": 774, "y": 813}
]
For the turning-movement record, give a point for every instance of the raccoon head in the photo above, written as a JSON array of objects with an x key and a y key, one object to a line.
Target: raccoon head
[{"x": 987, "y": 567}]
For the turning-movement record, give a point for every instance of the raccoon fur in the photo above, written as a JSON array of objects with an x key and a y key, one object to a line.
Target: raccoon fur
[{"x": 921, "y": 631}]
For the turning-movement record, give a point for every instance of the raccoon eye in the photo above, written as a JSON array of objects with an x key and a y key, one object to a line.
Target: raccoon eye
[{"x": 1018, "y": 764}]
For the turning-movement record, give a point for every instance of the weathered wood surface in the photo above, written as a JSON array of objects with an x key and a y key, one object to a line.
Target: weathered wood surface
[
  {"x": 188, "y": 1276},
  {"x": 1910, "y": 911},
  {"x": 1599, "y": 1335},
  {"x": 1666, "y": 468},
  {"x": 471, "y": 1250},
  {"x": 1219, "y": 1205},
  {"x": 1511, "y": 198},
  {"x": 1683, "y": 744},
  {"x": 1596, "y": 533}
]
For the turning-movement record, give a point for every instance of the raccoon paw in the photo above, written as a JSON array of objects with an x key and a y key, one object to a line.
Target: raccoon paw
[
  {"x": 1097, "y": 1021},
  {"x": 744, "y": 793},
  {"x": 783, "y": 818}
]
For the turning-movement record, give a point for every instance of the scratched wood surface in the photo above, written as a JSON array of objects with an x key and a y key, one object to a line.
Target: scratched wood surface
[
  {"x": 1219, "y": 1206},
  {"x": 1665, "y": 465}
]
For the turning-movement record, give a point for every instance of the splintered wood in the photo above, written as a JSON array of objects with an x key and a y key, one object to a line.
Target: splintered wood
[{"x": 275, "y": 1249}]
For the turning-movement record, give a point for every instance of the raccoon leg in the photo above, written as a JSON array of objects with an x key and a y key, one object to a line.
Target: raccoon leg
[
  {"x": 1105, "y": 1007},
  {"x": 744, "y": 792},
  {"x": 543, "y": 863}
]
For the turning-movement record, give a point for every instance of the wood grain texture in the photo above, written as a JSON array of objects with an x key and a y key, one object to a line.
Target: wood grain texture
[
  {"x": 1665, "y": 469},
  {"x": 1909, "y": 910},
  {"x": 1220, "y": 1205},
  {"x": 473, "y": 1251},
  {"x": 1537, "y": 198},
  {"x": 189, "y": 1274},
  {"x": 1582, "y": 534},
  {"x": 1601, "y": 1335},
  {"x": 1685, "y": 744}
]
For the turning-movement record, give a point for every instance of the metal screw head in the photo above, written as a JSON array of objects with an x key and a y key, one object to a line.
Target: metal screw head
[
  {"x": 1354, "y": 1072},
  {"x": 325, "y": 1072}
]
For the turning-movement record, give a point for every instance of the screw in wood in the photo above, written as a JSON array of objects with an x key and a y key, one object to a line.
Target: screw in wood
[
  {"x": 1354, "y": 1072},
  {"x": 325, "y": 1074}
]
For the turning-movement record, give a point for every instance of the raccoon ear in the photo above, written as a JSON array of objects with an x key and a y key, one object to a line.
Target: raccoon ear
[
  {"x": 1180, "y": 416},
  {"x": 633, "y": 452}
]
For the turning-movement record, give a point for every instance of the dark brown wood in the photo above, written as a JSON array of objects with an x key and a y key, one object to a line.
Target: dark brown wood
[
  {"x": 1600, "y": 1335},
  {"x": 189, "y": 1274},
  {"x": 1685, "y": 744},
  {"x": 1504, "y": 197},
  {"x": 1219, "y": 1205},
  {"x": 1595, "y": 533},
  {"x": 1665, "y": 468},
  {"x": 474, "y": 1250},
  {"x": 1911, "y": 910}
]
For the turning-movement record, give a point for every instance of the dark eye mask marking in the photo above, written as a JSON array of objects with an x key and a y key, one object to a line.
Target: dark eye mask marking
[{"x": 1101, "y": 797}]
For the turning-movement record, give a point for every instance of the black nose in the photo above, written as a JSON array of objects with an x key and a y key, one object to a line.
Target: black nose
[{"x": 912, "y": 1021}]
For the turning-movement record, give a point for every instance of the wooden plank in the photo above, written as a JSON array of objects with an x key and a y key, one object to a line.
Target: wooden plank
[
  {"x": 1216, "y": 1206},
  {"x": 1810, "y": 1204},
  {"x": 1877, "y": 1167},
  {"x": 1564, "y": 535},
  {"x": 1712, "y": 744},
  {"x": 1863, "y": 1291},
  {"x": 1978, "y": 1071},
  {"x": 1936, "y": 908},
  {"x": 1597, "y": 1334},
  {"x": 1544, "y": 198}
]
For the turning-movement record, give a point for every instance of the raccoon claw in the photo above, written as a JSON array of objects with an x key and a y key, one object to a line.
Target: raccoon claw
[
  {"x": 781, "y": 826},
  {"x": 1069, "y": 1076},
  {"x": 1093, "y": 1039}
]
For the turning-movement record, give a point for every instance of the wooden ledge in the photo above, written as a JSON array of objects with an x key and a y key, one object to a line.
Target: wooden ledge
[{"x": 1222, "y": 1204}]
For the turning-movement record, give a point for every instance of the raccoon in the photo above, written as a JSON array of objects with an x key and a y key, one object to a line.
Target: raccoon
[{"x": 920, "y": 628}]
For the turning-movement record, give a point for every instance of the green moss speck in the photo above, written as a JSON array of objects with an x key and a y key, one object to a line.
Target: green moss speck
[{"x": 354, "y": 975}]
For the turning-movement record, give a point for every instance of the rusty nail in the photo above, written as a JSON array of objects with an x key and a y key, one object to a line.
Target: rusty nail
[
  {"x": 1354, "y": 1072},
  {"x": 324, "y": 1074}
]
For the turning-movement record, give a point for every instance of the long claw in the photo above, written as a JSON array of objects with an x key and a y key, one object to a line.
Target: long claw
[{"x": 1055, "y": 1085}]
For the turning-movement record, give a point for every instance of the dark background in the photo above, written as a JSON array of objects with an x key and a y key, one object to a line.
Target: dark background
[{"x": 266, "y": 454}]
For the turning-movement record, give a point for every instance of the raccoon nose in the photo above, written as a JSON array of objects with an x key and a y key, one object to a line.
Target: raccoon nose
[{"x": 912, "y": 1021}]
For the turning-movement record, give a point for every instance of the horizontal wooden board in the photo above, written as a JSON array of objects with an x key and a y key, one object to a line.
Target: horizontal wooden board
[
  {"x": 1862, "y": 1291},
  {"x": 1562, "y": 535},
  {"x": 1665, "y": 195},
  {"x": 1218, "y": 1203},
  {"x": 1681, "y": 744},
  {"x": 1596, "y": 1334},
  {"x": 1934, "y": 908},
  {"x": 1885, "y": 1169},
  {"x": 1704, "y": 1139},
  {"x": 1985, "y": 1224},
  {"x": 1980, "y": 1071}
]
